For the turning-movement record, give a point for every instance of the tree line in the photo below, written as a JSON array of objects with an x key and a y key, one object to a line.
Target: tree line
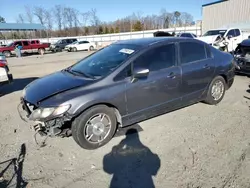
[{"x": 62, "y": 21}]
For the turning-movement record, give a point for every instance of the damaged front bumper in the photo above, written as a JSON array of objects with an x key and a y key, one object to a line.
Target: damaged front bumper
[
  {"x": 243, "y": 67},
  {"x": 50, "y": 127}
]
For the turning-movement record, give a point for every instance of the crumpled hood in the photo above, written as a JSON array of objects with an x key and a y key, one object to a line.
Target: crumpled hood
[
  {"x": 208, "y": 39},
  {"x": 51, "y": 85}
]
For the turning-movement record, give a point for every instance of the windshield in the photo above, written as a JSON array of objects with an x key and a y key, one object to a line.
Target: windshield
[
  {"x": 215, "y": 32},
  {"x": 75, "y": 42},
  {"x": 10, "y": 44},
  {"x": 104, "y": 61}
]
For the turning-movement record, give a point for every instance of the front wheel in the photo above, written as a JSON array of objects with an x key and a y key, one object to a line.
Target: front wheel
[
  {"x": 74, "y": 49},
  {"x": 216, "y": 91},
  {"x": 7, "y": 53},
  {"x": 91, "y": 48},
  {"x": 94, "y": 127}
]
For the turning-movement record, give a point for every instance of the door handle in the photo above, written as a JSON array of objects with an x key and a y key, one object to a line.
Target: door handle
[
  {"x": 171, "y": 75},
  {"x": 206, "y": 66}
]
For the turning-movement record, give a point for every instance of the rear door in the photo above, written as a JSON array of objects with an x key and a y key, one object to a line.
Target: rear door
[
  {"x": 160, "y": 90},
  {"x": 197, "y": 67},
  {"x": 26, "y": 47}
]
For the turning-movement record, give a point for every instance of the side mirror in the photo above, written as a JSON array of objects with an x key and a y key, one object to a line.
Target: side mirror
[
  {"x": 141, "y": 73},
  {"x": 229, "y": 36}
]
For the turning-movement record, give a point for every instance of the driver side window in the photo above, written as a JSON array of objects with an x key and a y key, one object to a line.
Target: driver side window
[
  {"x": 231, "y": 33},
  {"x": 157, "y": 58}
]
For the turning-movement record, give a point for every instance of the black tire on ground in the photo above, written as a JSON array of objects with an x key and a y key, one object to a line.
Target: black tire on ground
[
  {"x": 210, "y": 99},
  {"x": 7, "y": 53},
  {"x": 74, "y": 49},
  {"x": 79, "y": 126},
  {"x": 91, "y": 48},
  {"x": 41, "y": 51}
]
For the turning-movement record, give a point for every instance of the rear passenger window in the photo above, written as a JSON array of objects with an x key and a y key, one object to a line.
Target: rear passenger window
[
  {"x": 25, "y": 43},
  {"x": 191, "y": 51},
  {"x": 158, "y": 58}
]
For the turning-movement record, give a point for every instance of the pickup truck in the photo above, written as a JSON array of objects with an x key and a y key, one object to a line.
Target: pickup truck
[
  {"x": 232, "y": 36},
  {"x": 28, "y": 46}
]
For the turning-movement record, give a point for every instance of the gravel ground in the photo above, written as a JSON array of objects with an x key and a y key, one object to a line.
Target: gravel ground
[{"x": 200, "y": 146}]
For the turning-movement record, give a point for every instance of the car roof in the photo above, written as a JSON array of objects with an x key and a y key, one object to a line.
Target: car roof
[{"x": 152, "y": 40}]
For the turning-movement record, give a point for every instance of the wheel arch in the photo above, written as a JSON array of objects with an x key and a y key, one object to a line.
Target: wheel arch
[
  {"x": 225, "y": 78},
  {"x": 116, "y": 111}
]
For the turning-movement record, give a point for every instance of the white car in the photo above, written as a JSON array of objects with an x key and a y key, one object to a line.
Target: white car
[
  {"x": 5, "y": 76},
  {"x": 80, "y": 45}
]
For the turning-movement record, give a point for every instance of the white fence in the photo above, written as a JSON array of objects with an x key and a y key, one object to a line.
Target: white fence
[{"x": 102, "y": 39}]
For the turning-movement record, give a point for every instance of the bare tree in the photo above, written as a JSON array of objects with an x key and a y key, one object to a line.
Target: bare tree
[
  {"x": 85, "y": 18},
  {"x": 58, "y": 13},
  {"x": 94, "y": 20},
  {"x": 29, "y": 14},
  {"x": 39, "y": 12},
  {"x": 49, "y": 20},
  {"x": 186, "y": 19},
  {"x": 20, "y": 18}
]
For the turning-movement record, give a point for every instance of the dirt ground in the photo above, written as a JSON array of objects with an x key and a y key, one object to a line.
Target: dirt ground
[{"x": 200, "y": 146}]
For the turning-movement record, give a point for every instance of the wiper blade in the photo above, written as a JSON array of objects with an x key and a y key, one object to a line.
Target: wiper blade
[{"x": 82, "y": 73}]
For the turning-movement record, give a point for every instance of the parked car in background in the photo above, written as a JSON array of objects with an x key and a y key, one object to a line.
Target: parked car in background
[
  {"x": 232, "y": 36},
  {"x": 124, "y": 83},
  {"x": 242, "y": 57},
  {"x": 28, "y": 46},
  {"x": 80, "y": 45},
  {"x": 60, "y": 44},
  {"x": 5, "y": 75},
  {"x": 188, "y": 35},
  {"x": 162, "y": 34}
]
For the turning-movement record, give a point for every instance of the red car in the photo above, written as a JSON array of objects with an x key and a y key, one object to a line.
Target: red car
[{"x": 32, "y": 46}]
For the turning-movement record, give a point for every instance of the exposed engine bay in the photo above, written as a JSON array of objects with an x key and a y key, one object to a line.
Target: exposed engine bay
[{"x": 242, "y": 57}]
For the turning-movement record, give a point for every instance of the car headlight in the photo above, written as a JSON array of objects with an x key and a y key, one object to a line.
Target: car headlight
[{"x": 42, "y": 113}]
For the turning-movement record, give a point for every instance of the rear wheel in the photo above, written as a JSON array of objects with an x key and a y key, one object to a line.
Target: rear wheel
[
  {"x": 91, "y": 48},
  {"x": 7, "y": 53},
  {"x": 95, "y": 127},
  {"x": 216, "y": 91},
  {"x": 41, "y": 51}
]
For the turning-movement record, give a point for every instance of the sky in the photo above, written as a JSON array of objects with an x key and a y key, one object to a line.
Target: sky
[{"x": 107, "y": 10}]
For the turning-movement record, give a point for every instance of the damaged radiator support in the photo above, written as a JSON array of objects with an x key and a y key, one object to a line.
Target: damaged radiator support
[{"x": 51, "y": 128}]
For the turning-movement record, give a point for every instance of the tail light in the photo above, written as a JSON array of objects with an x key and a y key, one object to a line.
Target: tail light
[{"x": 3, "y": 63}]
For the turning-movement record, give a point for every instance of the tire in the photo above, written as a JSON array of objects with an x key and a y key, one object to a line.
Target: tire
[
  {"x": 74, "y": 49},
  {"x": 91, "y": 48},
  {"x": 7, "y": 53},
  {"x": 213, "y": 99},
  {"x": 41, "y": 51},
  {"x": 80, "y": 127}
]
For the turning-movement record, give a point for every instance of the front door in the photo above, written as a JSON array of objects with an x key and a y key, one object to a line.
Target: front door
[
  {"x": 233, "y": 37},
  {"x": 197, "y": 68},
  {"x": 160, "y": 89}
]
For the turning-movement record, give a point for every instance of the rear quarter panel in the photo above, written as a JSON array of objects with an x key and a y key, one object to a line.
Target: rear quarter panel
[{"x": 224, "y": 64}]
